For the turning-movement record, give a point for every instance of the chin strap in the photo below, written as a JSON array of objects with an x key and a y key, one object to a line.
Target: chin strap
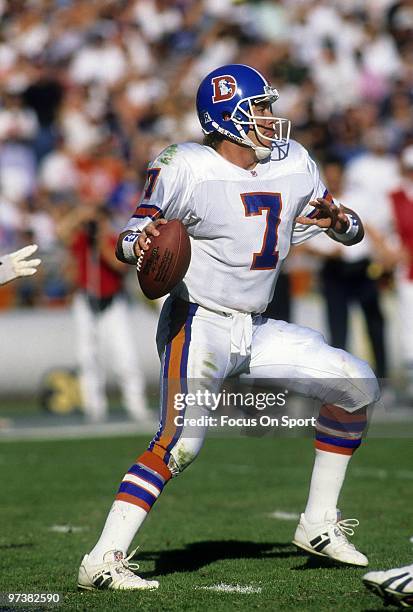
[{"x": 261, "y": 153}]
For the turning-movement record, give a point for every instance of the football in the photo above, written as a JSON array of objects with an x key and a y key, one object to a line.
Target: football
[{"x": 166, "y": 261}]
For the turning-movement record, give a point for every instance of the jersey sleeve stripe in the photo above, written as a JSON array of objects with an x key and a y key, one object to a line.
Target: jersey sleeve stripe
[
  {"x": 327, "y": 196},
  {"x": 147, "y": 210}
]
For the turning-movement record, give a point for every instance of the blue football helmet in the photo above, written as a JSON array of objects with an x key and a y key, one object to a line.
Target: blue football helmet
[{"x": 225, "y": 102}]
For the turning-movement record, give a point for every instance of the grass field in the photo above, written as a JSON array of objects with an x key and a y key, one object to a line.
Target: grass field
[{"x": 213, "y": 525}]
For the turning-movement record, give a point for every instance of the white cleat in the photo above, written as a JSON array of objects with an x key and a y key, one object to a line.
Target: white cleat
[
  {"x": 328, "y": 539},
  {"x": 114, "y": 573},
  {"x": 393, "y": 586}
]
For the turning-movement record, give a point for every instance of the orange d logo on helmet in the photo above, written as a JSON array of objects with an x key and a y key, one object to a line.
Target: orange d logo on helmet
[{"x": 225, "y": 87}]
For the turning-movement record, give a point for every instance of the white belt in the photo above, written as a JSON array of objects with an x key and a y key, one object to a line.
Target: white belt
[{"x": 241, "y": 333}]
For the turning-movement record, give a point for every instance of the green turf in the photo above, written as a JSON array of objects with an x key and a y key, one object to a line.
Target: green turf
[{"x": 211, "y": 525}]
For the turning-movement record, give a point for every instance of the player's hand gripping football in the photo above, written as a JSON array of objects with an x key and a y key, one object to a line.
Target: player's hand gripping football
[
  {"x": 142, "y": 244},
  {"x": 328, "y": 216}
]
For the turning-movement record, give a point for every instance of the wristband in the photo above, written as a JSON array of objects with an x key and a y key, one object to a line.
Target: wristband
[
  {"x": 353, "y": 227},
  {"x": 350, "y": 233},
  {"x": 137, "y": 225},
  {"x": 128, "y": 247}
]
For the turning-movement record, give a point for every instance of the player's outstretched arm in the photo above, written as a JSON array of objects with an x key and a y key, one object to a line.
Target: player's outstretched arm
[
  {"x": 342, "y": 224},
  {"x": 132, "y": 244},
  {"x": 16, "y": 264}
]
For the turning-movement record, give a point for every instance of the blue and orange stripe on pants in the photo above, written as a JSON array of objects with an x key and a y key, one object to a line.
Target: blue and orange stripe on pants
[
  {"x": 338, "y": 431},
  {"x": 145, "y": 480},
  {"x": 174, "y": 378}
]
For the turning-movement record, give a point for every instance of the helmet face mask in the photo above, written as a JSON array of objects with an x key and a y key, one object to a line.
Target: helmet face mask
[
  {"x": 244, "y": 115},
  {"x": 225, "y": 103}
]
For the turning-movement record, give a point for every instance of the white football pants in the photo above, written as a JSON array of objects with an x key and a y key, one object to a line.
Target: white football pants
[
  {"x": 109, "y": 330},
  {"x": 200, "y": 348}
]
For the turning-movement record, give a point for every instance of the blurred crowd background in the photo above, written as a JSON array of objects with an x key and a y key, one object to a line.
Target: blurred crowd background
[{"x": 90, "y": 91}]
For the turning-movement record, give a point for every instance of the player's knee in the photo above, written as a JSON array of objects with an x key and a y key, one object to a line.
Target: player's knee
[
  {"x": 365, "y": 388},
  {"x": 182, "y": 455},
  {"x": 373, "y": 391}
]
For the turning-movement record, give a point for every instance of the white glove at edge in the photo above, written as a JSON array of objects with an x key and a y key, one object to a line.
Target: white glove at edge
[{"x": 16, "y": 264}]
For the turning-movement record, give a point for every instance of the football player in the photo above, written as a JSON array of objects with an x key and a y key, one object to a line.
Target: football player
[
  {"x": 245, "y": 196},
  {"x": 16, "y": 264}
]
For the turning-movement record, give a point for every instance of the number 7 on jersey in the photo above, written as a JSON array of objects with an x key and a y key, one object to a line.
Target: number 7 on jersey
[{"x": 271, "y": 203}]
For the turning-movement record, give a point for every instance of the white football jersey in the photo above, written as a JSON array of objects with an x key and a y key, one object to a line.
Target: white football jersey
[{"x": 241, "y": 222}]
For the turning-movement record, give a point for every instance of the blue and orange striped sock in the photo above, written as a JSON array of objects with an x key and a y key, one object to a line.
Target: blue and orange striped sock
[
  {"x": 338, "y": 435},
  {"x": 139, "y": 489},
  {"x": 144, "y": 481},
  {"x": 338, "y": 431}
]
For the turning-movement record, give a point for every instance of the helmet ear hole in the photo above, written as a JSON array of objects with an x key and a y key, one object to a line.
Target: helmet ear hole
[{"x": 226, "y": 116}]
